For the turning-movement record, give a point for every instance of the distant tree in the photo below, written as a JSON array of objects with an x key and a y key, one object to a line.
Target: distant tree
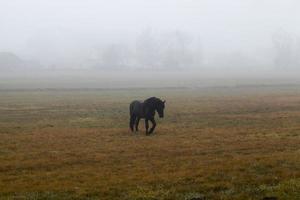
[
  {"x": 114, "y": 56},
  {"x": 297, "y": 52},
  {"x": 197, "y": 53},
  {"x": 147, "y": 50},
  {"x": 9, "y": 61},
  {"x": 283, "y": 45},
  {"x": 177, "y": 51}
]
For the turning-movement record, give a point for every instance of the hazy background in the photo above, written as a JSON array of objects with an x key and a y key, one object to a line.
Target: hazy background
[{"x": 142, "y": 43}]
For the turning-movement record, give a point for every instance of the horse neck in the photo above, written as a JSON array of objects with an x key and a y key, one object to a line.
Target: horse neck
[{"x": 151, "y": 103}]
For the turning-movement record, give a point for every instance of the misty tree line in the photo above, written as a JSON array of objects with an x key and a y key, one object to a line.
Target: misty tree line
[
  {"x": 175, "y": 50},
  {"x": 178, "y": 50},
  {"x": 287, "y": 50}
]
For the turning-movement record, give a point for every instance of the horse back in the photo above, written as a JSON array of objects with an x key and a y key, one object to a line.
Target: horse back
[{"x": 136, "y": 108}]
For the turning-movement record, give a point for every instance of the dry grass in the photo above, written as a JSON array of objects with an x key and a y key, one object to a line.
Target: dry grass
[{"x": 218, "y": 143}]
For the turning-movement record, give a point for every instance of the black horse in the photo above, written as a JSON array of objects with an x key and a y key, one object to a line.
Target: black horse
[{"x": 146, "y": 110}]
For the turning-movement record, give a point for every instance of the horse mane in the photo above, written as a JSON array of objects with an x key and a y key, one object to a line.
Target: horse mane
[
  {"x": 151, "y": 101},
  {"x": 151, "y": 98}
]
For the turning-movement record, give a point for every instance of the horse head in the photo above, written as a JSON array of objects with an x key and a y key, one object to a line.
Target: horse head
[{"x": 160, "y": 108}]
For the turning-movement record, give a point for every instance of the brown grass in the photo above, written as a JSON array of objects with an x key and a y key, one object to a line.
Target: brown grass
[{"x": 218, "y": 143}]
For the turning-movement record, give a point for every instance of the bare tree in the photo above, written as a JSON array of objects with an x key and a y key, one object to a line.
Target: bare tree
[
  {"x": 114, "y": 56},
  {"x": 283, "y": 44},
  {"x": 177, "y": 53},
  {"x": 147, "y": 50}
]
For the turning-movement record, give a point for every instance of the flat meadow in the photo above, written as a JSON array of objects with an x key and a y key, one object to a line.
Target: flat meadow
[{"x": 230, "y": 143}]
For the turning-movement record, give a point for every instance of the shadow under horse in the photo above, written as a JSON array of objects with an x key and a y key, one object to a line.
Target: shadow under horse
[{"x": 145, "y": 110}]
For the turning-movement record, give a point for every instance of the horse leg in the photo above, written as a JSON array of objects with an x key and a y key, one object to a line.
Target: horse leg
[
  {"x": 131, "y": 123},
  {"x": 147, "y": 126},
  {"x": 137, "y": 124},
  {"x": 153, "y": 125}
]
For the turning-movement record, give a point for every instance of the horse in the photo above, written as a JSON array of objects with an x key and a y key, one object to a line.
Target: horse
[{"x": 145, "y": 110}]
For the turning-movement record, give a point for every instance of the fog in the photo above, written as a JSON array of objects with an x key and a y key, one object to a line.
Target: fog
[{"x": 139, "y": 43}]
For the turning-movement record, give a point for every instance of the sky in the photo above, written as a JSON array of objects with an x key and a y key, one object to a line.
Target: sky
[{"x": 88, "y": 33}]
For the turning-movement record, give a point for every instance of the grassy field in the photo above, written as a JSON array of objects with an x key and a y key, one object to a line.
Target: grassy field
[{"x": 215, "y": 143}]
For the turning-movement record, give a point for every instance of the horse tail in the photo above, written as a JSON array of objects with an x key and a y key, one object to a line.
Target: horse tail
[
  {"x": 131, "y": 109},
  {"x": 132, "y": 116},
  {"x": 131, "y": 123}
]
